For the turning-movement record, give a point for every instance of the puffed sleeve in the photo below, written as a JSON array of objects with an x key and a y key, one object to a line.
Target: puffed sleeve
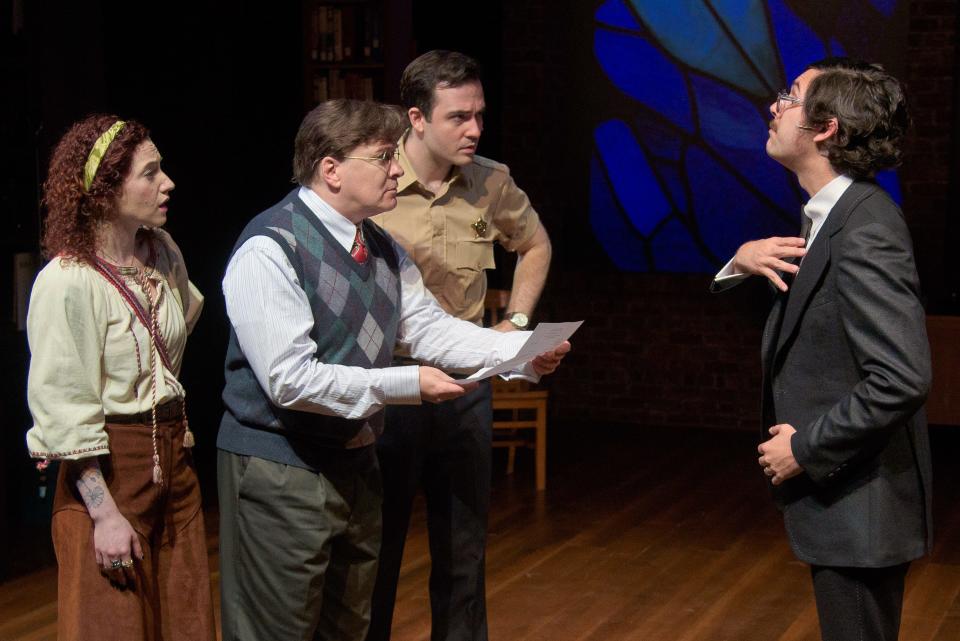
[
  {"x": 66, "y": 330},
  {"x": 188, "y": 296}
]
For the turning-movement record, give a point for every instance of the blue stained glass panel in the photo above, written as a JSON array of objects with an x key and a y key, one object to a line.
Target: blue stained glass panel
[
  {"x": 683, "y": 184},
  {"x": 891, "y": 184},
  {"x": 799, "y": 45},
  {"x": 767, "y": 177},
  {"x": 723, "y": 208},
  {"x": 617, "y": 238},
  {"x": 656, "y": 83},
  {"x": 670, "y": 175},
  {"x": 634, "y": 182},
  {"x": 836, "y": 49},
  {"x": 675, "y": 251},
  {"x": 691, "y": 32},
  {"x": 885, "y": 7},
  {"x": 727, "y": 117},
  {"x": 616, "y": 14},
  {"x": 747, "y": 21},
  {"x": 660, "y": 140}
]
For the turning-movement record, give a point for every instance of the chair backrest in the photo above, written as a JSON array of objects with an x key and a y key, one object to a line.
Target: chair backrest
[{"x": 514, "y": 401}]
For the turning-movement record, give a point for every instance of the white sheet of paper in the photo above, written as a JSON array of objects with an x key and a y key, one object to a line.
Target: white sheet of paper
[{"x": 545, "y": 337}]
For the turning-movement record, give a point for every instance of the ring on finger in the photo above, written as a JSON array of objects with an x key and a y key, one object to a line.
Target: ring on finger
[
  {"x": 116, "y": 564},
  {"x": 128, "y": 563}
]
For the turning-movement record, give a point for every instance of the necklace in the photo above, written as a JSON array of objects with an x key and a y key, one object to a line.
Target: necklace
[
  {"x": 138, "y": 274},
  {"x": 124, "y": 270}
]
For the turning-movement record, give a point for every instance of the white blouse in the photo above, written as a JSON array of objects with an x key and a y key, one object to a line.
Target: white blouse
[{"x": 84, "y": 343}]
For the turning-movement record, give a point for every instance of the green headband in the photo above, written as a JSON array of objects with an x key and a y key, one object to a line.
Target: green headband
[{"x": 96, "y": 154}]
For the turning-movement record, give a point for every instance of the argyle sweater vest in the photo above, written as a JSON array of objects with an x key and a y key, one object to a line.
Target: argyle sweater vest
[{"x": 356, "y": 312}]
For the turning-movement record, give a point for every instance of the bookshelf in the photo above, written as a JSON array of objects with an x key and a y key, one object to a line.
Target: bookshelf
[{"x": 349, "y": 53}]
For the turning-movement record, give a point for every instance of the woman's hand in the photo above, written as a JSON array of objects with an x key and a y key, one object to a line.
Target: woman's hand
[{"x": 114, "y": 539}]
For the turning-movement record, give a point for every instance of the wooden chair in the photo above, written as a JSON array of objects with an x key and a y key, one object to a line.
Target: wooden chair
[{"x": 516, "y": 407}]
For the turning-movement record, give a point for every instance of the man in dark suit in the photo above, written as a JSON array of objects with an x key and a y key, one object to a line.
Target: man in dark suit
[{"x": 846, "y": 363}]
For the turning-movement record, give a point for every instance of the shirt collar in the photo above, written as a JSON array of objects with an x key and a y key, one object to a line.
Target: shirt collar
[
  {"x": 818, "y": 207},
  {"x": 409, "y": 176},
  {"x": 336, "y": 223}
]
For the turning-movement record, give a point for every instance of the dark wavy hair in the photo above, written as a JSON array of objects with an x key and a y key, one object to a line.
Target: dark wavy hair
[
  {"x": 73, "y": 214},
  {"x": 336, "y": 127},
  {"x": 437, "y": 68},
  {"x": 871, "y": 111}
]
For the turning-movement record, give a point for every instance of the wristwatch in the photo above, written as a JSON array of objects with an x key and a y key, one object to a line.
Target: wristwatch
[{"x": 518, "y": 320}]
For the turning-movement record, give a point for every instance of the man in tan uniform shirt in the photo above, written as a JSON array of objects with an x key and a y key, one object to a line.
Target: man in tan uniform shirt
[{"x": 452, "y": 206}]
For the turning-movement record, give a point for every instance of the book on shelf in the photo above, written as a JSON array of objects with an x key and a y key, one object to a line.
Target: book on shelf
[
  {"x": 313, "y": 34},
  {"x": 328, "y": 35},
  {"x": 371, "y": 33},
  {"x": 351, "y": 33},
  {"x": 331, "y": 34},
  {"x": 335, "y": 84},
  {"x": 343, "y": 49},
  {"x": 348, "y": 24},
  {"x": 375, "y": 51},
  {"x": 320, "y": 91}
]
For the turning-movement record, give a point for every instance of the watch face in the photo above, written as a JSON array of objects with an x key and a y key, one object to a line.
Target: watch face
[{"x": 519, "y": 319}]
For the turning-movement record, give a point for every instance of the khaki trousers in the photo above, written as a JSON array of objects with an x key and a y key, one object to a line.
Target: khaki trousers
[{"x": 170, "y": 598}]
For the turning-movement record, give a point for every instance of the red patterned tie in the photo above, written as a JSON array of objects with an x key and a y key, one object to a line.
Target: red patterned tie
[{"x": 359, "y": 250}]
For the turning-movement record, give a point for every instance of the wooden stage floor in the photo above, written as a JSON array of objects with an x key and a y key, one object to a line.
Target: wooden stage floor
[{"x": 644, "y": 535}]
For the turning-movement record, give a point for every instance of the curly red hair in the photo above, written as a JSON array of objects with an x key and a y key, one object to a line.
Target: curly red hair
[{"x": 73, "y": 214}]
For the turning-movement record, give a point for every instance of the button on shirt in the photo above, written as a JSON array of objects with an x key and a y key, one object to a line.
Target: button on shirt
[
  {"x": 273, "y": 320},
  {"x": 441, "y": 232}
]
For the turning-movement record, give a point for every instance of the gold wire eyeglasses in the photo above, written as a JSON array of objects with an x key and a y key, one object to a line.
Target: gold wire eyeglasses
[
  {"x": 384, "y": 158},
  {"x": 785, "y": 101}
]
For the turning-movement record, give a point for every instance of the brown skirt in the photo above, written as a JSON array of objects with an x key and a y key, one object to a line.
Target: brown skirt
[{"x": 170, "y": 598}]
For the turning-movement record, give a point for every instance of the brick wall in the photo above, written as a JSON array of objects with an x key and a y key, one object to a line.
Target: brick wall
[
  {"x": 658, "y": 350},
  {"x": 930, "y": 152}
]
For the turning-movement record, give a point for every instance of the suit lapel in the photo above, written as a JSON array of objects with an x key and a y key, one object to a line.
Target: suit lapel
[
  {"x": 803, "y": 286},
  {"x": 816, "y": 261}
]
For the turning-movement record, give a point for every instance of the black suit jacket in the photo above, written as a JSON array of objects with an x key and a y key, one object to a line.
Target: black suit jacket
[{"x": 847, "y": 363}]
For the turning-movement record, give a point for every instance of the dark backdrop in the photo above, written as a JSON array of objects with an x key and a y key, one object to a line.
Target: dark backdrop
[{"x": 220, "y": 85}]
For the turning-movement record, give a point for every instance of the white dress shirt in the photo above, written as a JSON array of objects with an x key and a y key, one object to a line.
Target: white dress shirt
[
  {"x": 817, "y": 209},
  {"x": 271, "y": 315}
]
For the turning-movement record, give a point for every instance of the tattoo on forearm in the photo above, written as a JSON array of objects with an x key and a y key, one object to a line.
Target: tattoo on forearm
[
  {"x": 93, "y": 497},
  {"x": 91, "y": 488}
]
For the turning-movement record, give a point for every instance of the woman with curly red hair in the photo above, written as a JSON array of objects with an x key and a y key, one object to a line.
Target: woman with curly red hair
[{"x": 107, "y": 325}]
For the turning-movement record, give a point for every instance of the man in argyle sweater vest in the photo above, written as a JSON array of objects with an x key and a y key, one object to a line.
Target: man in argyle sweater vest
[
  {"x": 318, "y": 298},
  {"x": 356, "y": 304}
]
